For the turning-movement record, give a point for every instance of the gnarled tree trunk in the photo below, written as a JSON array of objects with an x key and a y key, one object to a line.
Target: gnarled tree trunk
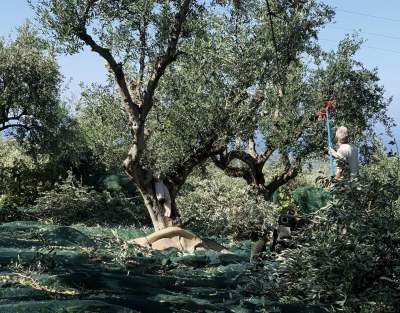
[
  {"x": 252, "y": 171},
  {"x": 138, "y": 104}
]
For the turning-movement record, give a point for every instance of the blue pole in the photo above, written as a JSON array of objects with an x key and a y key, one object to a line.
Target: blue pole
[{"x": 328, "y": 127}]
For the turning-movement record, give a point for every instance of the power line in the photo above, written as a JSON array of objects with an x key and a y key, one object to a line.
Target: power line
[
  {"x": 368, "y": 33},
  {"x": 367, "y": 47},
  {"x": 370, "y": 15}
]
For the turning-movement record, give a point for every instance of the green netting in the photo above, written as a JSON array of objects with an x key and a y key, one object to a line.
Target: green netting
[
  {"x": 310, "y": 198},
  {"x": 63, "y": 306},
  {"x": 67, "y": 236},
  {"x": 50, "y": 268}
]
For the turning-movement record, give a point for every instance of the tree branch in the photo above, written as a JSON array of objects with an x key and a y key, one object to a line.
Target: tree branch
[
  {"x": 170, "y": 56},
  {"x": 143, "y": 39},
  {"x": 234, "y": 171},
  {"x": 178, "y": 177},
  {"x": 4, "y": 127},
  {"x": 116, "y": 68},
  {"x": 288, "y": 173},
  {"x": 252, "y": 148},
  {"x": 267, "y": 154},
  {"x": 252, "y": 174}
]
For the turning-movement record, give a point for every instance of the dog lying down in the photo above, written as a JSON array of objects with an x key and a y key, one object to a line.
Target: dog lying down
[{"x": 176, "y": 237}]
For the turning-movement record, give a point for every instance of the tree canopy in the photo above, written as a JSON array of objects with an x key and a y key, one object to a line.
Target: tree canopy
[
  {"x": 200, "y": 80},
  {"x": 29, "y": 87}
]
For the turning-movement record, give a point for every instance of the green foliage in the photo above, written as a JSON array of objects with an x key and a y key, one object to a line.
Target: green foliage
[
  {"x": 29, "y": 88},
  {"x": 71, "y": 202},
  {"x": 383, "y": 168},
  {"x": 114, "y": 24},
  {"x": 25, "y": 174},
  {"x": 232, "y": 76},
  {"x": 104, "y": 125},
  {"x": 289, "y": 121},
  {"x": 350, "y": 258},
  {"x": 221, "y": 206},
  {"x": 20, "y": 175},
  {"x": 310, "y": 199},
  {"x": 284, "y": 199},
  {"x": 196, "y": 104},
  {"x": 49, "y": 140}
]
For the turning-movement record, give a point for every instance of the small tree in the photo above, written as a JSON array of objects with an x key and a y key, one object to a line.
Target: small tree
[{"x": 29, "y": 87}]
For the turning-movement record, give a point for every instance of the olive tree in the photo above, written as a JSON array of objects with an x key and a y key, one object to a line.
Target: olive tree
[
  {"x": 29, "y": 87},
  {"x": 104, "y": 125},
  {"x": 139, "y": 42},
  {"x": 301, "y": 77}
]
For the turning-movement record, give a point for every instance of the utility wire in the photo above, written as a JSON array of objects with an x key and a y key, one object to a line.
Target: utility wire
[
  {"x": 370, "y": 15},
  {"x": 367, "y": 47},
  {"x": 367, "y": 33}
]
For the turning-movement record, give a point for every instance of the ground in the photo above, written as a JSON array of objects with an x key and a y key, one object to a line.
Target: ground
[{"x": 50, "y": 268}]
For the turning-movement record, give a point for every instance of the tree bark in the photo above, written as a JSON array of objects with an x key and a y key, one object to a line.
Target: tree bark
[
  {"x": 157, "y": 211},
  {"x": 252, "y": 172},
  {"x": 268, "y": 190},
  {"x": 138, "y": 106}
]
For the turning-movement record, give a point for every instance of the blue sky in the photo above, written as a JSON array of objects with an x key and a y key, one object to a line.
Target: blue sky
[{"x": 378, "y": 21}]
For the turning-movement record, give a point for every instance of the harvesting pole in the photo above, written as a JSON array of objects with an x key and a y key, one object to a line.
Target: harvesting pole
[
  {"x": 328, "y": 127},
  {"x": 325, "y": 114}
]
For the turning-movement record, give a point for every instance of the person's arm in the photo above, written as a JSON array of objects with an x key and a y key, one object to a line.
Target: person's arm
[{"x": 335, "y": 154}]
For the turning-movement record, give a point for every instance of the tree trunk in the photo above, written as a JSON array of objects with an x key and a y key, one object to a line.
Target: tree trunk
[
  {"x": 157, "y": 210},
  {"x": 268, "y": 190}
]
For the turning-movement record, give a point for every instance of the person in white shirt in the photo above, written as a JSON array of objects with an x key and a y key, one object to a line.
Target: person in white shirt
[{"x": 347, "y": 153}]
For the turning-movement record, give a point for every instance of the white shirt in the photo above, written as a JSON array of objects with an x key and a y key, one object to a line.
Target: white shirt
[{"x": 349, "y": 153}]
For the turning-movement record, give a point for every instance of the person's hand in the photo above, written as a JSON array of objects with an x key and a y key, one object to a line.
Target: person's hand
[{"x": 333, "y": 152}]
